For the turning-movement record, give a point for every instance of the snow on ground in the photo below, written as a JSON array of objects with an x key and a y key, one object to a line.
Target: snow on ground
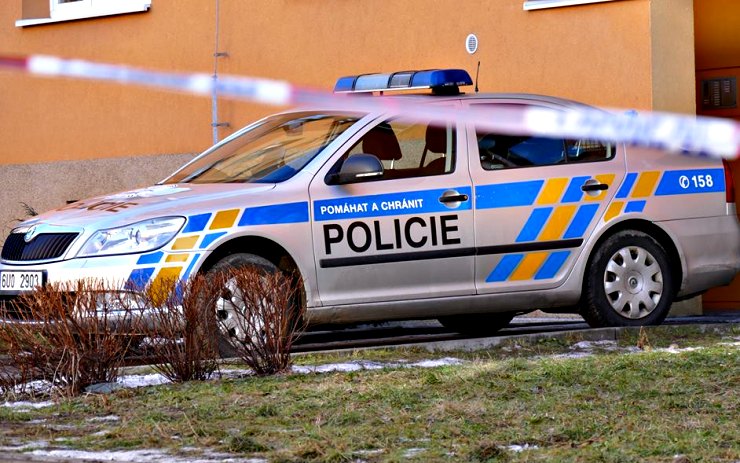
[
  {"x": 154, "y": 456},
  {"x": 104, "y": 418},
  {"x": 24, "y": 406},
  {"x": 516, "y": 448},
  {"x": 133, "y": 381},
  {"x": 358, "y": 365}
]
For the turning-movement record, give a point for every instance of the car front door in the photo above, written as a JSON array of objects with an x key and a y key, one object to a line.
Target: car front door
[{"x": 405, "y": 235}]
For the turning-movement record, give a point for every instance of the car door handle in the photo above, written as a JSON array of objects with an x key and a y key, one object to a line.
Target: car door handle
[
  {"x": 594, "y": 187},
  {"x": 453, "y": 198}
]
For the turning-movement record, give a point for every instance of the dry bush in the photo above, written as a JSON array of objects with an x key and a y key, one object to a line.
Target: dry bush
[
  {"x": 181, "y": 328},
  {"x": 260, "y": 317},
  {"x": 70, "y": 335}
]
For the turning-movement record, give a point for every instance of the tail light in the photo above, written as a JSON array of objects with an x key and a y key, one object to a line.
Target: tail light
[{"x": 729, "y": 185}]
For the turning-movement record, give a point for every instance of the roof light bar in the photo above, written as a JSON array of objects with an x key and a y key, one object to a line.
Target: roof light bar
[{"x": 439, "y": 80}]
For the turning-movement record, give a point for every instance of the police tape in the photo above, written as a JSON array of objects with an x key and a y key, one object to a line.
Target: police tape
[{"x": 702, "y": 136}]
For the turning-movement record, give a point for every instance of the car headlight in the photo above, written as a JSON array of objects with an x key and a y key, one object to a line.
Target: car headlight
[{"x": 135, "y": 238}]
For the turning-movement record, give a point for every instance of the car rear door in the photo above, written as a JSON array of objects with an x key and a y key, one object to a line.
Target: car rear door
[{"x": 537, "y": 201}]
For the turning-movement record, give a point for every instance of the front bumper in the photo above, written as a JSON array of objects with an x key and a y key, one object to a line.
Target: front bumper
[{"x": 130, "y": 272}]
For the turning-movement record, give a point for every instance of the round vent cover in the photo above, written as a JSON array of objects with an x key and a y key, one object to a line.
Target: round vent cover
[{"x": 471, "y": 43}]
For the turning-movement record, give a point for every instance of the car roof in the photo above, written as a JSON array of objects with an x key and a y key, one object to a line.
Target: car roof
[{"x": 493, "y": 97}]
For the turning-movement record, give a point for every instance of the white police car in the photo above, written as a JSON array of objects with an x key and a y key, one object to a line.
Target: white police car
[{"x": 386, "y": 218}]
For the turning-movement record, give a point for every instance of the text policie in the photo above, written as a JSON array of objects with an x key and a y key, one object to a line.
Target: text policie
[{"x": 413, "y": 232}]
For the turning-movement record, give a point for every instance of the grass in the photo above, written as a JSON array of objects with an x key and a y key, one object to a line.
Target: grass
[{"x": 610, "y": 407}]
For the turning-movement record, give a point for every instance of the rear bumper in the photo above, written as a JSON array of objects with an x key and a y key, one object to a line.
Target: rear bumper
[{"x": 710, "y": 251}]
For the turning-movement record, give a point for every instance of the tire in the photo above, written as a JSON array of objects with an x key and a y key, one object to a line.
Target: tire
[
  {"x": 628, "y": 282},
  {"x": 233, "y": 261},
  {"x": 478, "y": 324}
]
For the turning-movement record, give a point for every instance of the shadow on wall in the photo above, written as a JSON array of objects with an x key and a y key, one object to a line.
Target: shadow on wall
[{"x": 34, "y": 188}]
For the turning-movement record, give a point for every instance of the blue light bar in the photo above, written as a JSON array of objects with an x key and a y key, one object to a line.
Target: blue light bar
[{"x": 439, "y": 80}]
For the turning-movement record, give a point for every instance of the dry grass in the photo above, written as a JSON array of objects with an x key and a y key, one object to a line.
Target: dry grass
[
  {"x": 181, "y": 328},
  {"x": 259, "y": 319},
  {"x": 68, "y": 335}
]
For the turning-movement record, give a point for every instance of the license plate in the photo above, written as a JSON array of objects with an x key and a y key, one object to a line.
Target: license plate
[{"x": 20, "y": 281}]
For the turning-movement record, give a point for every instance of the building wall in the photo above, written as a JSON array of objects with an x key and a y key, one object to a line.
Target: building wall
[
  {"x": 672, "y": 51},
  {"x": 587, "y": 53},
  {"x": 599, "y": 53},
  {"x": 717, "y": 23}
]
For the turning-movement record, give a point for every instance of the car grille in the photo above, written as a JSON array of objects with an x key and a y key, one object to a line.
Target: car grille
[{"x": 43, "y": 247}]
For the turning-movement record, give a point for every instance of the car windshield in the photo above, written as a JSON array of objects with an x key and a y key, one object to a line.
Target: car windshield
[{"x": 271, "y": 152}]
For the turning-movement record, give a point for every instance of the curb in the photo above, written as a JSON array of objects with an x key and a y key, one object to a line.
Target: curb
[{"x": 591, "y": 334}]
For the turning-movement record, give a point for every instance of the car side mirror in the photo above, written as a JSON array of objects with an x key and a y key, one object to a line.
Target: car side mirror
[{"x": 359, "y": 167}]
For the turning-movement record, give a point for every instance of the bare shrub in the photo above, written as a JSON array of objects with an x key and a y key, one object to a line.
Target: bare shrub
[
  {"x": 181, "y": 328},
  {"x": 71, "y": 335},
  {"x": 264, "y": 318}
]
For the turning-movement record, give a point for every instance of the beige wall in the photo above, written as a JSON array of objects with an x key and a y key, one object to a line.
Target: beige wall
[
  {"x": 596, "y": 53},
  {"x": 599, "y": 53},
  {"x": 48, "y": 185},
  {"x": 672, "y": 52}
]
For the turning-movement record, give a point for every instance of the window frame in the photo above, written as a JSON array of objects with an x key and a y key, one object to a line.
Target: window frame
[
  {"x": 83, "y": 9},
  {"x": 453, "y": 129},
  {"x": 567, "y": 160},
  {"x": 530, "y": 5}
]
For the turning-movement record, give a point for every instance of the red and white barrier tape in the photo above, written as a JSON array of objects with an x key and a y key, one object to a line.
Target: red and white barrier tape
[{"x": 701, "y": 136}]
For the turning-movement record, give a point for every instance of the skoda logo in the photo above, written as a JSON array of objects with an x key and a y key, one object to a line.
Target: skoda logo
[{"x": 30, "y": 234}]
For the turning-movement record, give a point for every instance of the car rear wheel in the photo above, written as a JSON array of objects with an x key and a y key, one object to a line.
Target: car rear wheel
[
  {"x": 628, "y": 282},
  {"x": 478, "y": 324}
]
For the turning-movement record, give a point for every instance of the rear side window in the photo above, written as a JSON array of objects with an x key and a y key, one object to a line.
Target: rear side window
[{"x": 508, "y": 152}]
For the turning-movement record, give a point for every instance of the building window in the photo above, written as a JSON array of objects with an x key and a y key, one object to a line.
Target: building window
[
  {"x": 50, "y": 11},
  {"x": 541, "y": 4}
]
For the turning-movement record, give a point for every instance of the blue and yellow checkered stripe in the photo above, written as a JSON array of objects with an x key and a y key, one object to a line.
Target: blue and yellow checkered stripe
[
  {"x": 630, "y": 197},
  {"x": 562, "y": 211},
  {"x": 199, "y": 232}
]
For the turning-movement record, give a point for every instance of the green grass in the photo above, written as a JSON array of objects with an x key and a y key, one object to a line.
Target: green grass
[{"x": 609, "y": 407}]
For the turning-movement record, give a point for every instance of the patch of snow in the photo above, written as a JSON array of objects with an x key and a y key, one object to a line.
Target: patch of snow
[
  {"x": 369, "y": 452},
  {"x": 588, "y": 345},
  {"x": 151, "y": 455},
  {"x": 516, "y": 448},
  {"x": 574, "y": 355},
  {"x": 437, "y": 363},
  {"x": 104, "y": 418},
  {"x": 730, "y": 344},
  {"x": 133, "y": 381},
  {"x": 338, "y": 367},
  {"x": 412, "y": 452},
  {"x": 360, "y": 365},
  {"x": 24, "y": 406},
  {"x": 26, "y": 446},
  {"x": 36, "y": 387},
  {"x": 674, "y": 349}
]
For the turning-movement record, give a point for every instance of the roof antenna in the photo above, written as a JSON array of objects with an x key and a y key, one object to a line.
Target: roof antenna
[{"x": 477, "y": 72}]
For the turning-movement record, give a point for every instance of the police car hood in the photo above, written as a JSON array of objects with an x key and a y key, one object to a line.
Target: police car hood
[{"x": 157, "y": 201}]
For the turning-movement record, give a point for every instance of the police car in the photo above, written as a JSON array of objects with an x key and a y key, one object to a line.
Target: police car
[{"x": 387, "y": 218}]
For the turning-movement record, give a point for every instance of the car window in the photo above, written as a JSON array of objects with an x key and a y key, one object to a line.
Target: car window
[
  {"x": 409, "y": 149},
  {"x": 499, "y": 151},
  {"x": 270, "y": 152}
]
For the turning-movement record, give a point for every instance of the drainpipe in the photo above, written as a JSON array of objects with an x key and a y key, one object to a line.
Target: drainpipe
[{"x": 215, "y": 124}]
